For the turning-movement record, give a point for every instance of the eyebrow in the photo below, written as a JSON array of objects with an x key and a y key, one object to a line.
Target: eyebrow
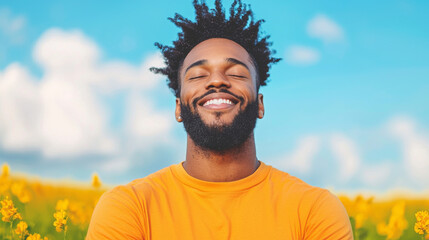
[
  {"x": 235, "y": 61},
  {"x": 197, "y": 63},
  {"x": 204, "y": 61}
]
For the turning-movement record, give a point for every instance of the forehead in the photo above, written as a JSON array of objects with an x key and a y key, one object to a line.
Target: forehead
[{"x": 217, "y": 49}]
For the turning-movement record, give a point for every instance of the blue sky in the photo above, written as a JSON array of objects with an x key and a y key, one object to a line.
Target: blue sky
[{"x": 347, "y": 108}]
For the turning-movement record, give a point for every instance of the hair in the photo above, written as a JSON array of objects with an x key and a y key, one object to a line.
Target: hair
[{"x": 212, "y": 23}]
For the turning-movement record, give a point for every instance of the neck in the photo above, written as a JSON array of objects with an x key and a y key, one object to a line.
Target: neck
[{"x": 227, "y": 166}]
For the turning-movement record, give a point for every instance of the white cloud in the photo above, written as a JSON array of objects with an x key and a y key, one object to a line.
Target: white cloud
[
  {"x": 345, "y": 151},
  {"x": 19, "y": 109},
  {"x": 302, "y": 55},
  {"x": 325, "y": 29},
  {"x": 415, "y": 147},
  {"x": 60, "y": 52},
  {"x": 144, "y": 125},
  {"x": 117, "y": 75},
  {"x": 61, "y": 114},
  {"x": 73, "y": 121},
  {"x": 300, "y": 159},
  {"x": 12, "y": 26},
  {"x": 354, "y": 169}
]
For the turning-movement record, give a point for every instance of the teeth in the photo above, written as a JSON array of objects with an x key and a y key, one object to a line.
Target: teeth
[{"x": 218, "y": 101}]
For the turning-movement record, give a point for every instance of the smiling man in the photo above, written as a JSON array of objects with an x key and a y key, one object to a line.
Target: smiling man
[{"x": 221, "y": 190}]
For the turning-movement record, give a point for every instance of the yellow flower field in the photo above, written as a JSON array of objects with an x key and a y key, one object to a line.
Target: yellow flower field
[{"x": 32, "y": 209}]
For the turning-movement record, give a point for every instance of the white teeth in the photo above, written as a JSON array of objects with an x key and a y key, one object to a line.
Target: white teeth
[{"x": 218, "y": 101}]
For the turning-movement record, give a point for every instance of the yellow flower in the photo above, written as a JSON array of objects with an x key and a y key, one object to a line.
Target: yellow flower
[
  {"x": 4, "y": 186},
  {"x": 420, "y": 228},
  {"x": 397, "y": 223},
  {"x": 382, "y": 228},
  {"x": 60, "y": 220},
  {"x": 5, "y": 171},
  {"x": 422, "y": 224},
  {"x": 25, "y": 197},
  {"x": 96, "y": 180},
  {"x": 4, "y": 179},
  {"x": 36, "y": 236},
  {"x": 77, "y": 214},
  {"x": 17, "y": 216},
  {"x": 422, "y": 215},
  {"x": 62, "y": 205},
  {"x": 18, "y": 189},
  {"x": 21, "y": 229},
  {"x": 8, "y": 210},
  {"x": 361, "y": 207}
]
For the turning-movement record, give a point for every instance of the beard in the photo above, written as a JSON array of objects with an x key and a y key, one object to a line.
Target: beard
[{"x": 220, "y": 137}]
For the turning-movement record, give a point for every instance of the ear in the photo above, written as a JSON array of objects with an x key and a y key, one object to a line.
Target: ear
[
  {"x": 178, "y": 112},
  {"x": 261, "y": 109}
]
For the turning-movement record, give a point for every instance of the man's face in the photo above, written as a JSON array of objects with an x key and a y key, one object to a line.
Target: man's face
[{"x": 218, "y": 92}]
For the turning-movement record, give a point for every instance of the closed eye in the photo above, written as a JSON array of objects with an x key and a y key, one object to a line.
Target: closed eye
[
  {"x": 192, "y": 78},
  {"x": 237, "y": 76}
]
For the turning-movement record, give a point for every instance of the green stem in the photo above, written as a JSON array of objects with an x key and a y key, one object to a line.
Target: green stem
[
  {"x": 355, "y": 236},
  {"x": 11, "y": 230},
  {"x": 65, "y": 228}
]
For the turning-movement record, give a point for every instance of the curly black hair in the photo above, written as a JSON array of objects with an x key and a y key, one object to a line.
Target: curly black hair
[{"x": 240, "y": 28}]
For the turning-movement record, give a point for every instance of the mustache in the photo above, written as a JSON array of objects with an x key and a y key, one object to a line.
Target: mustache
[{"x": 194, "y": 103}]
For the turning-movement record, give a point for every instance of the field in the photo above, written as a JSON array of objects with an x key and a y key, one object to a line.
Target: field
[{"x": 33, "y": 209}]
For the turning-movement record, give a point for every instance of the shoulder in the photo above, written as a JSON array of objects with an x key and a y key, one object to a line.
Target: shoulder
[
  {"x": 328, "y": 219},
  {"x": 321, "y": 212},
  {"x": 120, "y": 212},
  {"x": 295, "y": 187},
  {"x": 295, "y": 192},
  {"x": 117, "y": 215},
  {"x": 139, "y": 189}
]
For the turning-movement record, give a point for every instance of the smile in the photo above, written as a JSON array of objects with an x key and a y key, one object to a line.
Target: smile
[
  {"x": 218, "y": 104},
  {"x": 218, "y": 101}
]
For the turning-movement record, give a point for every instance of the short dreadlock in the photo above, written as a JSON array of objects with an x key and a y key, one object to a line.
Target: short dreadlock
[{"x": 212, "y": 23}]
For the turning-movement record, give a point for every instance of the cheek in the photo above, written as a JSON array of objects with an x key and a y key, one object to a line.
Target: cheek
[
  {"x": 251, "y": 92},
  {"x": 187, "y": 93}
]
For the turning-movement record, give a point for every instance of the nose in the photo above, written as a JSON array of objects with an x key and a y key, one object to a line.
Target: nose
[{"x": 217, "y": 80}]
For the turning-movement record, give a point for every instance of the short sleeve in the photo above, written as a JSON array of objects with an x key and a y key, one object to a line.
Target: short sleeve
[
  {"x": 116, "y": 216},
  {"x": 328, "y": 219}
]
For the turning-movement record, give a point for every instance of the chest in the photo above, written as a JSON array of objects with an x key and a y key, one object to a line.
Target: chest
[{"x": 191, "y": 214}]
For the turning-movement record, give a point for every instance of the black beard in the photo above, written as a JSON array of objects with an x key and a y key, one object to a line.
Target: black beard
[{"x": 220, "y": 138}]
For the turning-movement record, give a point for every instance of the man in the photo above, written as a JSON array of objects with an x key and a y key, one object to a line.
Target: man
[{"x": 221, "y": 190}]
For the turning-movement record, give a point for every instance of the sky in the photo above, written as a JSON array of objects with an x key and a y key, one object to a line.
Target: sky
[{"x": 347, "y": 108}]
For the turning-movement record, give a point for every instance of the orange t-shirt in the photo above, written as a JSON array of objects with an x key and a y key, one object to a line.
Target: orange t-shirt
[{"x": 171, "y": 204}]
